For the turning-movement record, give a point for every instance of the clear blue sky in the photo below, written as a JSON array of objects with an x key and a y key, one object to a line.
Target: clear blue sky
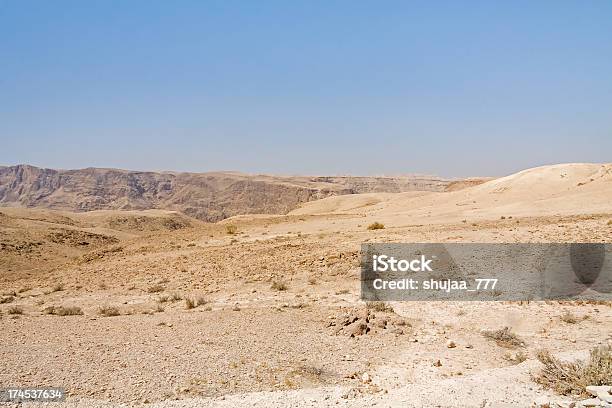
[{"x": 312, "y": 87}]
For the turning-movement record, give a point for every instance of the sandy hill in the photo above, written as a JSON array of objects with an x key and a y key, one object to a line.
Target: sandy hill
[
  {"x": 206, "y": 196},
  {"x": 35, "y": 240},
  {"x": 562, "y": 189}
]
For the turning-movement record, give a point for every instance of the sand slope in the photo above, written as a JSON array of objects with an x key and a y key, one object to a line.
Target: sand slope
[{"x": 564, "y": 189}]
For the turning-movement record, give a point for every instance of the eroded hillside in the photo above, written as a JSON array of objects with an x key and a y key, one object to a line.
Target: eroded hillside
[{"x": 206, "y": 196}]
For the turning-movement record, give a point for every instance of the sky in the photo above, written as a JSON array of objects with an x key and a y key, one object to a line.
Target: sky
[{"x": 452, "y": 88}]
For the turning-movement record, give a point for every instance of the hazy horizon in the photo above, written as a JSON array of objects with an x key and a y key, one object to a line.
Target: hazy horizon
[
  {"x": 443, "y": 176},
  {"x": 442, "y": 88}
]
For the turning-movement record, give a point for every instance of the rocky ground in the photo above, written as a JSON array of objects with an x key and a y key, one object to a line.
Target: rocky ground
[{"x": 265, "y": 311}]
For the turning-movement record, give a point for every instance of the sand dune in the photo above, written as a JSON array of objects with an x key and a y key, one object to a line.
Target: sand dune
[{"x": 564, "y": 189}]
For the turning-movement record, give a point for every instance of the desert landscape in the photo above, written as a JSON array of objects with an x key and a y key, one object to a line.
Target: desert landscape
[{"x": 224, "y": 289}]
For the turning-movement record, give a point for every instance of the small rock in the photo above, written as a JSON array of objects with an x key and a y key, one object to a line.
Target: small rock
[
  {"x": 591, "y": 402},
  {"x": 357, "y": 329},
  {"x": 381, "y": 323},
  {"x": 605, "y": 396},
  {"x": 365, "y": 378},
  {"x": 596, "y": 389},
  {"x": 542, "y": 402},
  {"x": 451, "y": 344},
  {"x": 438, "y": 363}
]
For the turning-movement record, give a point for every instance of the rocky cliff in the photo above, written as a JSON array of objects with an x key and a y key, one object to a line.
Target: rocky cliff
[{"x": 207, "y": 196}]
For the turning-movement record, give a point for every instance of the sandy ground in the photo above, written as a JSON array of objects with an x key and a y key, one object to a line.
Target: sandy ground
[{"x": 253, "y": 345}]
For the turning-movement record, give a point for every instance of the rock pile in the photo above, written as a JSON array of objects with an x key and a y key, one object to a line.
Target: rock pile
[{"x": 358, "y": 322}]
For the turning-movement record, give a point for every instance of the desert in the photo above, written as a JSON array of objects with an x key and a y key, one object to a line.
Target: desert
[
  {"x": 152, "y": 307},
  {"x": 304, "y": 204}
]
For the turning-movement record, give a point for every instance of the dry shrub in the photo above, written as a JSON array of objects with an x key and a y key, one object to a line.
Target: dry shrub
[
  {"x": 15, "y": 310},
  {"x": 231, "y": 229},
  {"x": 189, "y": 303},
  {"x": 569, "y": 317},
  {"x": 342, "y": 292},
  {"x": 573, "y": 377},
  {"x": 58, "y": 287},
  {"x": 6, "y": 299},
  {"x": 279, "y": 285},
  {"x": 376, "y": 226},
  {"x": 195, "y": 301},
  {"x": 312, "y": 280},
  {"x": 63, "y": 310},
  {"x": 504, "y": 337},
  {"x": 108, "y": 311},
  {"x": 379, "y": 307},
  {"x": 516, "y": 358},
  {"x": 173, "y": 297},
  {"x": 307, "y": 371},
  {"x": 300, "y": 305},
  {"x": 155, "y": 289}
]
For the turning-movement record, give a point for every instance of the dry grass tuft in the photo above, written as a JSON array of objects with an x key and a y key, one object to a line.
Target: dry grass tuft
[
  {"x": 15, "y": 310},
  {"x": 200, "y": 300},
  {"x": 6, "y": 299},
  {"x": 173, "y": 297},
  {"x": 569, "y": 317},
  {"x": 189, "y": 303},
  {"x": 63, "y": 311},
  {"x": 108, "y": 311},
  {"x": 573, "y": 377},
  {"x": 231, "y": 229},
  {"x": 279, "y": 285},
  {"x": 58, "y": 287},
  {"x": 195, "y": 301},
  {"x": 155, "y": 289},
  {"x": 517, "y": 358},
  {"x": 504, "y": 337},
  {"x": 376, "y": 226}
]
